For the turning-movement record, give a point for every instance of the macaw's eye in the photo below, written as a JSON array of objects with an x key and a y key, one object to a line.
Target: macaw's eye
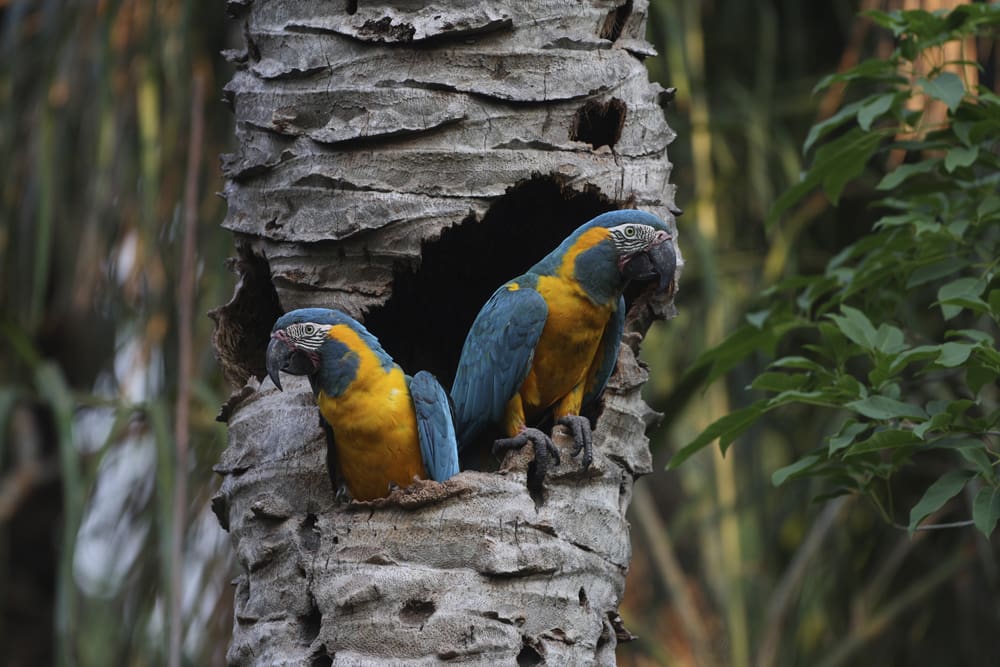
[
  {"x": 310, "y": 329},
  {"x": 630, "y": 232}
]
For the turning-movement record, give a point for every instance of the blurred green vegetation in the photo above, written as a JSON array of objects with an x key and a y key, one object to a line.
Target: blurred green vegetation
[
  {"x": 95, "y": 118},
  {"x": 97, "y": 103}
]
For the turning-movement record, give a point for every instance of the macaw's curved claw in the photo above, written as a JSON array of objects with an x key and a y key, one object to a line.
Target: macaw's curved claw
[
  {"x": 546, "y": 453},
  {"x": 583, "y": 439}
]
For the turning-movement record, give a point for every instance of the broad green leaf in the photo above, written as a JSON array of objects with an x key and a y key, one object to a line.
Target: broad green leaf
[
  {"x": 941, "y": 491},
  {"x": 880, "y": 18},
  {"x": 986, "y": 509},
  {"x": 946, "y": 87},
  {"x": 960, "y": 156},
  {"x": 782, "y": 474},
  {"x": 847, "y": 434},
  {"x": 822, "y": 397},
  {"x": 843, "y": 160},
  {"x": 921, "y": 353},
  {"x": 883, "y": 407},
  {"x": 935, "y": 423},
  {"x": 889, "y": 339},
  {"x": 799, "y": 362},
  {"x": 875, "y": 69},
  {"x": 895, "y": 177},
  {"x": 954, "y": 354},
  {"x": 887, "y": 439},
  {"x": 993, "y": 299},
  {"x": 873, "y": 108},
  {"x": 980, "y": 460},
  {"x": 729, "y": 426},
  {"x": 855, "y": 325},
  {"x": 778, "y": 382},
  {"x": 953, "y": 295},
  {"x": 978, "y": 376},
  {"x": 972, "y": 334},
  {"x": 824, "y": 126},
  {"x": 988, "y": 207},
  {"x": 935, "y": 271}
]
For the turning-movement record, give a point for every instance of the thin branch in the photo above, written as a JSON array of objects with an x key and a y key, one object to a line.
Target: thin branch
[
  {"x": 790, "y": 583},
  {"x": 665, "y": 559},
  {"x": 185, "y": 311},
  {"x": 938, "y": 526}
]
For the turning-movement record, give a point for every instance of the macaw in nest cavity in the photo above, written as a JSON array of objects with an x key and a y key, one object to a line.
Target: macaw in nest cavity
[
  {"x": 547, "y": 341},
  {"x": 388, "y": 427}
]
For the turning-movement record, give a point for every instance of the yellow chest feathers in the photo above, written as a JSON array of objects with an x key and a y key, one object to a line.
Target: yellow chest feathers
[
  {"x": 569, "y": 344},
  {"x": 374, "y": 426}
]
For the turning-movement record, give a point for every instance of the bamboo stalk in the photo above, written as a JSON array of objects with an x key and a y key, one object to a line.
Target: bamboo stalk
[{"x": 185, "y": 309}]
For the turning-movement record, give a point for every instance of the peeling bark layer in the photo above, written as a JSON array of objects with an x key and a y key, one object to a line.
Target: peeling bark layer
[{"x": 373, "y": 138}]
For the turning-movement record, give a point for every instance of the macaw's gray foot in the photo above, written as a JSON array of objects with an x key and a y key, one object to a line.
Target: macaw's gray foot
[
  {"x": 583, "y": 439},
  {"x": 546, "y": 453}
]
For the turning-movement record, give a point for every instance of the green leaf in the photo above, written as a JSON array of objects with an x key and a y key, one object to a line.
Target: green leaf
[
  {"x": 941, "y": 491},
  {"x": 848, "y": 433},
  {"x": 844, "y": 159},
  {"x": 977, "y": 376},
  {"x": 886, "y": 439},
  {"x": 889, "y": 339},
  {"x": 986, "y": 509},
  {"x": 824, "y": 126},
  {"x": 801, "y": 363},
  {"x": 976, "y": 455},
  {"x": 946, "y": 87},
  {"x": 855, "y": 325},
  {"x": 954, "y": 354},
  {"x": 958, "y": 293},
  {"x": 895, "y": 177},
  {"x": 782, "y": 474},
  {"x": 778, "y": 382},
  {"x": 930, "y": 272},
  {"x": 883, "y": 407},
  {"x": 988, "y": 207},
  {"x": 725, "y": 428},
  {"x": 873, "y": 108},
  {"x": 960, "y": 156},
  {"x": 836, "y": 163}
]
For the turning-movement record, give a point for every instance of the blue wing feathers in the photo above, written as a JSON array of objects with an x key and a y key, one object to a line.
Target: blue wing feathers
[
  {"x": 496, "y": 358},
  {"x": 435, "y": 426},
  {"x": 610, "y": 342}
]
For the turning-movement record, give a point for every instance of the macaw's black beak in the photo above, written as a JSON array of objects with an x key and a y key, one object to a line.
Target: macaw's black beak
[
  {"x": 282, "y": 356},
  {"x": 657, "y": 261},
  {"x": 279, "y": 353}
]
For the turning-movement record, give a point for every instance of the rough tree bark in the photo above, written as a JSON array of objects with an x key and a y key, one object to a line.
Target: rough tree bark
[{"x": 399, "y": 161}]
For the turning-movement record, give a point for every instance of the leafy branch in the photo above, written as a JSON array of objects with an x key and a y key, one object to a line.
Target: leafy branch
[{"x": 896, "y": 338}]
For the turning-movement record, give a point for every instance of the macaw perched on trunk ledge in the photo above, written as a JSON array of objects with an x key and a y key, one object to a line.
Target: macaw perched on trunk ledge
[
  {"x": 547, "y": 341},
  {"x": 388, "y": 427}
]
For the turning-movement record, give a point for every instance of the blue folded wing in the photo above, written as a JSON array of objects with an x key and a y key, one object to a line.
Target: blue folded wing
[
  {"x": 607, "y": 353},
  {"x": 435, "y": 426},
  {"x": 496, "y": 358}
]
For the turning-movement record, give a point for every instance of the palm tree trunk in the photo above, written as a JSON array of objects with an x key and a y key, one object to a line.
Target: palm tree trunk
[{"x": 398, "y": 164}]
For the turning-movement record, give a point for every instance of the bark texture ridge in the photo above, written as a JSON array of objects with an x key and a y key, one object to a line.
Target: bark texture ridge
[{"x": 398, "y": 161}]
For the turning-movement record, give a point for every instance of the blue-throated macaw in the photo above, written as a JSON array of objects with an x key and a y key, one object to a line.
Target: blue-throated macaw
[
  {"x": 388, "y": 427},
  {"x": 547, "y": 341}
]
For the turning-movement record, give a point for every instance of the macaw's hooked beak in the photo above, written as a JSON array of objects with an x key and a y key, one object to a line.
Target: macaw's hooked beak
[
  {"x": 283, "y": 356},
  {"x": 656, "y": 261}
]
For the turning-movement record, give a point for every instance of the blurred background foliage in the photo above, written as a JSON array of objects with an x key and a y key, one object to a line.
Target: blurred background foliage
[
  {"x": 105, "y": 172},
  {"x": 96, "y": 113},
  {"x": 748, "y": 573}
]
